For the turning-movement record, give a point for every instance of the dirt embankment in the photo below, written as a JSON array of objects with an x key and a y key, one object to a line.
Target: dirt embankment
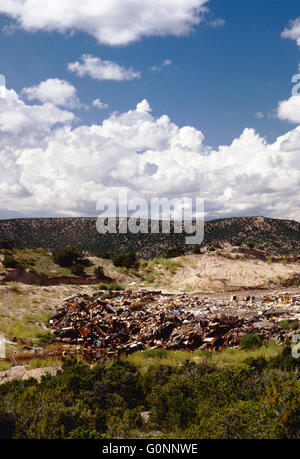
[
  {"x": 30, "y": 278},
  {"x": 212, "y": 273},
  {"x": 226, "y": 270}
]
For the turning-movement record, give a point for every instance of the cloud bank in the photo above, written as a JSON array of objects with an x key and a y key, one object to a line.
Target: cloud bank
[
  {"x": 115, "y": 22},
  {"x": 50, "y": 167}
]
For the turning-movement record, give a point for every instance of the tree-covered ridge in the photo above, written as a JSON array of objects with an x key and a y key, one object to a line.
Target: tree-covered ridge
[{"x": 274, "y": 236}]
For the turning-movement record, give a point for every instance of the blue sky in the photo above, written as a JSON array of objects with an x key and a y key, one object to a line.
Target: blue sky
[
  {"x": 219, "y": 79},
  {"x": 224, "y": 75}
]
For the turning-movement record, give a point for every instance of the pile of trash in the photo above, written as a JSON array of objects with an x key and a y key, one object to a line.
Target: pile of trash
[{"x": 110, "y": 324}]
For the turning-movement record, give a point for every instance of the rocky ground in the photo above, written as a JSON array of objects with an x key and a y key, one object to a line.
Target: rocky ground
[{"x": 20, "y": 372}]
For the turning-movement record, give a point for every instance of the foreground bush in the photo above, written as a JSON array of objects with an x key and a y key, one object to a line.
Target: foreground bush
[{"x": 257, "y": 399}]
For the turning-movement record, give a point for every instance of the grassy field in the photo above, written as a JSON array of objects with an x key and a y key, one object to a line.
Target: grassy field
[
  {"x": 228, "y": 356},
  {"x": 175, "y": 359},
  {"x": 21, "y": 316},
  {"x": 25, "y": 309}
]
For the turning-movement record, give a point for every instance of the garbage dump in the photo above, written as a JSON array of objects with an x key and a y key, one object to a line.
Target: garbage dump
[{"x": 110, "y": 324}]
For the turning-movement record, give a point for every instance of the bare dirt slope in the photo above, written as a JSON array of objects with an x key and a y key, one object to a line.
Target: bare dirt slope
[{"x": 203, "y": 273}]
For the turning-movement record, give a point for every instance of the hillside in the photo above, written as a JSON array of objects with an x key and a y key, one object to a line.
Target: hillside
[{"x": 277, "y": 237}]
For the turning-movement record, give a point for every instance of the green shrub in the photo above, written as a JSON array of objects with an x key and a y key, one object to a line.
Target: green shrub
[
  {"x": 258, "y": 363},
  {"x": 110, "y": 287},
  {"x": 125, "y": 261},
  {"x": 45, "y": 339},
  {"x": 175, "y": 252},
  {"x": 6, "y": 245},
  {"x": 150, "y": 278},
  {"x": 14, "y": 286},
  {"x": 288, "y": 325},
  {"x": 101, "y": 287},
  {"x": 104, "y": 255},
  {"x": 98, "y": 272},
  {"x": 84, "y": 262},
  {"x": 237, "y": 243},
  {"x": 197, "y": 249},
  {"x": 78, "y": 270},
  {"x": 115, "y": 287},
  {"x": 285, "y": 361},
  {"x": 11, "y": 262},
  {"x": 239, "y": 420},
  {"x": 67, "y": 257},
  {"x": 250, "y": 341},
  {"x": 105, "y": 296}
]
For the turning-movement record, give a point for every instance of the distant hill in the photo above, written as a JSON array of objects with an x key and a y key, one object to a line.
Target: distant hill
[{"x": 271, "y": 235}]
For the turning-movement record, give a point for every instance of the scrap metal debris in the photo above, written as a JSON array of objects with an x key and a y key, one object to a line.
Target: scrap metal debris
[{"x": 121, "y": 323}]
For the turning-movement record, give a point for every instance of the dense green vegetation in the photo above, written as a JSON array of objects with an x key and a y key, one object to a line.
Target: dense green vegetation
[
  {"x": 253, "y": 399},
  {"x": 278, "y": 237},
  {"x": 175, "y": 252},
  {"x": 250, "y": 341},
  {"x": 6, "y": 245},
  {"x": 125, "y": 261},
  {"x": 10, "y": 262},
  {"x": 99, "y": 272},
  {"x": 113, "y": 287},
  {"x": 78, "y": 270},
  {"x": 70, "y": 257}
]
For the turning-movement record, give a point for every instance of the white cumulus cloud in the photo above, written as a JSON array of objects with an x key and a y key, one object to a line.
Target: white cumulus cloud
[
  {"x": 50, "y": 167},
  {"x": 18, "y": 117},
  {"x": 289, "y": 110},
  {"x": 99, "y": 104},
  {"x": 99, "y": 69},
  {"x": 293, "y": 31},
  {"x": 58, "y": 92},
  {"x": 112, "y": 22}
]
